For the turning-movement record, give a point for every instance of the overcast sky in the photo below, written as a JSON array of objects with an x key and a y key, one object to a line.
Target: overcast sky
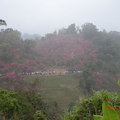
[{"x": 44, "y": 16}]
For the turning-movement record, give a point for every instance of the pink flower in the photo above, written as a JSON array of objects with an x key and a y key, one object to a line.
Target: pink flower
[
  {"x": 11, "y": 75},
  {"x": 13, "y": 64}
]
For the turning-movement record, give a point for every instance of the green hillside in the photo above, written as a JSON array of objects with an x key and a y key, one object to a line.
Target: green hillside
[{"x": 61, "y": 89}]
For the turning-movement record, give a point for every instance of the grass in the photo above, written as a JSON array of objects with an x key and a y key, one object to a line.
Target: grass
[{"x": 61, "y": 89}]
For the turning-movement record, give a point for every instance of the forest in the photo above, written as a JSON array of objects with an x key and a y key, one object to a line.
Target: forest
[{"x": 85, "y": 65}]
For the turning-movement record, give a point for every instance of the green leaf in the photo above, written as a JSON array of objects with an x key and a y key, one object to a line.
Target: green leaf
[
  {"x": 98, "y": 117},
  {"x": 119, "y": 81},
  {"x": 109, "y": 114}
]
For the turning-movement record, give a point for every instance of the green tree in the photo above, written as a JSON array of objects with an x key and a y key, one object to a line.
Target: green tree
[
  {"x": 86, "y": 108},
  {"x": 10, "y": 44},
  {"x": 39, "y": 115},
  {"x": 9, "y": 105},
  {"x": 71, "y": 29},
  {"x": 28, "y": 44},
  {"x": 89, "y": 31},
  {"x": 20, "y": 105},
  {"x": 2, "y": 22},
  {"x": 87, "y": 81}
]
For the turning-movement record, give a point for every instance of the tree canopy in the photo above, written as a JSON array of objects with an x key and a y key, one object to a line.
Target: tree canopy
[{"x": 2, "y": 22}]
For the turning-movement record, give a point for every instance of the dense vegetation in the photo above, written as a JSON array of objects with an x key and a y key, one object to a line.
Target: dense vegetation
[
  {"x": 86, "y": 108},
  {"x": 16, "y": 105},
  {"x": 94, "y": 53}
]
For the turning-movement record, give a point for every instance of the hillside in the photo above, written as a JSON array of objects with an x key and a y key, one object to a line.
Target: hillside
[{"x": 74, "y": 49}]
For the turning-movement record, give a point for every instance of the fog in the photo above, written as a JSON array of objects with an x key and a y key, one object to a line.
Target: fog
[
  {"x": 44, "y": 16},
  {"x": 59, "y": 60}
]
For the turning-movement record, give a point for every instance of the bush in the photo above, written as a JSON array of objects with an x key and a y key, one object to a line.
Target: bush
[
  {"x": 87, "y": 107},
  {"x": 39, "y": 115},
  {"x": 16, "y": 105}
]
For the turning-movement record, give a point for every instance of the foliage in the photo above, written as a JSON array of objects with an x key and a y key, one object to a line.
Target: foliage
[
  {"x": 39, "y": 115},
  {"x": 13, "y": 105},
  {"x": 72, "y": 48},
  {"x": 9, "y": 105},
  {"x": 2, "y": 22},
  {"x": 90, "y": 106},
  {"x": 95, "y": 53},
  {"x": 107, "y": 114},
  {"x": 89, "y": 31},
  {"x": 18, "y": 105},
  {"x": 119, "y": 82},
  {"x": 87, "y": 80}
]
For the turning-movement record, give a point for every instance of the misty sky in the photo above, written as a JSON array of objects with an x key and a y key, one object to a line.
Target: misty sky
[{"x": 44, "y": 16}]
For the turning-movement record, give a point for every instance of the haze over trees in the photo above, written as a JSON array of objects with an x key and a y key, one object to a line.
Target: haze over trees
[
  {"x": 74, "y": 49},
  {"x": 93, "y": 53}
]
